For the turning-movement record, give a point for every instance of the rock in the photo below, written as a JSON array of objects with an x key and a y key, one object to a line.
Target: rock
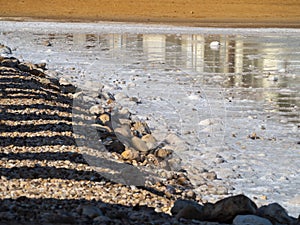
[
  {"x": 104, "y": 118},
  {"x": 96, "y": 110},
  {"x": 163, "y": 153},
  {"x": 177, "y": 143},
  {"x": 4, "y": 50},
  {"x": 9, "y": 62},
  {"x": 150, "y": 140},
  {"x": 223, "y": 211},
  {"x": 102, "y": 220},
  {"x": 227, "y": 209},
  {"x": 124, "y": 135},
  {"x": 189, "y": 212},
  {"x": 91, "y": 211},
  {"x": 181, "y": 204},
  {"x": 67, "y": 87},
  {"x": 174, "y": 163},
  {"x": 41, "y": 65},
  {"x": 152, "y": 159},
  {"x": 276, "y": 214},
  {"x": 214, "y": 45},
  {"x": 101, "y": 128},
  {"x": 142, "y": 128},
  {"x": 130, "y": 154},
  {"x": 47, "y": 43},
  {"x": 139, "y": 144},
  {"x": 190, "y": 194},
  {"x": 135, "y": 99},
  {"x": 250, "y": 220},
  {"x": 209, "y": 175}
]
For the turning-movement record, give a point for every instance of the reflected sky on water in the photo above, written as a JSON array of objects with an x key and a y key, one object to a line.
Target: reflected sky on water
[
  {"x": 269, "y": 64},
  {"x": 262, "y": 67}
]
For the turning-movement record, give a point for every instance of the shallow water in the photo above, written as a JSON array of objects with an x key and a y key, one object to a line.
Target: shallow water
[{"x": 214, "y": 96}]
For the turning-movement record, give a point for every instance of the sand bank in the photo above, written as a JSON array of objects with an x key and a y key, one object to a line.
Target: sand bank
[{"x": 215, "y": 13}]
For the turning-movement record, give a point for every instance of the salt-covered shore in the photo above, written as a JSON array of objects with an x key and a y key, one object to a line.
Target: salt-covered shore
[
  {"x": 227, "y": 161},
  {"x": 67, "y": 158}
]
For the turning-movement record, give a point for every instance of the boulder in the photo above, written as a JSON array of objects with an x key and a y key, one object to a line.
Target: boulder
[
  {"x": 250, "y": 220},
  {"x": 223, "y": 211},
  {"x": 276, "y": 214},
  {"x": 227, "y": 209},
  {"x": 181, "y": 204}
]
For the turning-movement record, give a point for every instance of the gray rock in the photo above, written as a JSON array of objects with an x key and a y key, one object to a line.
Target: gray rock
[
  {"x": 91, "y": 211},
  {"x": 139, "y": 144},
  {"x": 276, "y": 214},
  {"x": 223, "y": 211},
  {"x": 181, "y": 204},
  {"x": 227, "y": 209},
  {"x": 250, "y": 220},
  {"x": 102, "y": 220}
]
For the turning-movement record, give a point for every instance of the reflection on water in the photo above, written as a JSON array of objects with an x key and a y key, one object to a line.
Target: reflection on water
[{"x": 270, "y": 64}]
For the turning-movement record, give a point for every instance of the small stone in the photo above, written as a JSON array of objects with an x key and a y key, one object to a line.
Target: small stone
[
  {"x": 209, "y": 175},
  {"x": 96, "y": 110},
  {"x": 66, "y": 86},
  {"x": 130, "y": 154},
  {"x": 135, "y": 99},
  {"x": 47, "y": 43},
  {"x": 190, "y": 194},
  {"x": 250, "y": 220},
  {"x": 253, "y": 136},
  {"x": 182, "y": 181},
  {"x": 5, "y": 50},
  {"x": 264, "y": 197},
  {"x": 104, "y": 118},
  {"x": 152, "y": 159},
  {"x": 163, "y": 153},
  {"x": 142, "y": 128}
]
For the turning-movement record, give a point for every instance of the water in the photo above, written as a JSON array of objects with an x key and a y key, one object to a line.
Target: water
[{"x": 213, "y": 96}]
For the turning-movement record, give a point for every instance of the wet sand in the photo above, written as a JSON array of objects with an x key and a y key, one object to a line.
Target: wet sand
[{"x": 216, "y": 13}]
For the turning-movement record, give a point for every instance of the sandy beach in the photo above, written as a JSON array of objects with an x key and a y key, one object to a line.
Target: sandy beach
[{"x": 266, "y": 13}]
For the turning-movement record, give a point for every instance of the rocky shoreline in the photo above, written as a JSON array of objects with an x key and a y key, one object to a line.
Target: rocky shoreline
[{"x": 70, "y": 158}]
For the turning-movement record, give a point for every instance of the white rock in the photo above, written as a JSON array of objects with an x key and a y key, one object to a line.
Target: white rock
[
  {"x": 250, "y": 220},
  {"x": 214, "y": 45}
]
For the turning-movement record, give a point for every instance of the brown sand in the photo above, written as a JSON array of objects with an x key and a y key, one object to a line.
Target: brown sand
[{"x": 224, "y": 13}]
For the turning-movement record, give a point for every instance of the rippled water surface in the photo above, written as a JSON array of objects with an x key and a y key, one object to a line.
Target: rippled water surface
[{"x": 215, "y": 88}]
